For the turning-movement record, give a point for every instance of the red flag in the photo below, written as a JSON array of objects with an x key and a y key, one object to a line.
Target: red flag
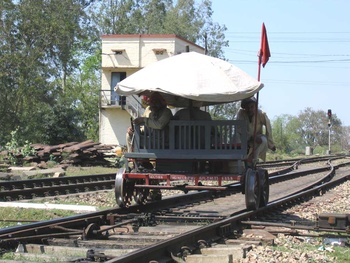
[{"x": 264, "y": 49}]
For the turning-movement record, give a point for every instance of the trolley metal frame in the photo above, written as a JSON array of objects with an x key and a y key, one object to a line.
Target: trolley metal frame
[{"x": 214, "y": 150}]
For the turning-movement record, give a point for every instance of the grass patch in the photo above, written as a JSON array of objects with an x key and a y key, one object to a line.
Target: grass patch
[
  {"x": 78, "y": 170},
  {"x": 12, "y": 216},
  {"x": 336, "y": 254},
  {"x": 342, "y": 254},
  {"x": 25, "y": 257}
]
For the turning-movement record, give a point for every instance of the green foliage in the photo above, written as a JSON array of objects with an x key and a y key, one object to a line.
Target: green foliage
[
  {"x": 189, "y": 19},
  {"x": 50, "y": 71},
  {"x": 27, "y": 149},
  {"x": 84, "y": 87},
  {"x": 12, "y": 147},
  {"x": 309, "y": 129},
  {"x": 226, "y": 111},
  {"x": 64, "y": 127},
  {"x": 15, "y": 152},
  {"x": 37, "y": 54},
  {"x": 282, "y": 139}
]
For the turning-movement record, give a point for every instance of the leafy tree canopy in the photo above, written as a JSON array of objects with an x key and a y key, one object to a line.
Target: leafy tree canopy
[{"x": 50, "y": 58}]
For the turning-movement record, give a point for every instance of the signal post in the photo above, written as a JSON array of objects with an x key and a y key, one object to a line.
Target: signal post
[{"x": 329, "y": 130}]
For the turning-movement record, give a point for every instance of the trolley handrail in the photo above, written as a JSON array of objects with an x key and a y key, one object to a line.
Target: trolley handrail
[{"x": 201, "y": 140}]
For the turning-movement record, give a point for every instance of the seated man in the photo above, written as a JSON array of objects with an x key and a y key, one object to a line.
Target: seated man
[
  {"x": 262, "y": 141},
  {"x": 193, "y": 113},
  {"x": 156, "y": 116},
  {"x": 187, "y": 114}
]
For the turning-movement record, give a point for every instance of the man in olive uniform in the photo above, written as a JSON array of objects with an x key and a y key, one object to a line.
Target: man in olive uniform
[{"x": 263, "y": 140}]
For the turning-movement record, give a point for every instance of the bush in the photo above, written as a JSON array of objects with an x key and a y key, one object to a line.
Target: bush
[{"x": 15, "y": 154}]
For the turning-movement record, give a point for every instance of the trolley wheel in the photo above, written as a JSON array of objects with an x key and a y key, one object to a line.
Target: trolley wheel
[
  {"x": 141, "y": 195},
  {"x": 123, "y": 189},
  {"x": 264, "y": 187},
  {"x": 252, "y": 189}
]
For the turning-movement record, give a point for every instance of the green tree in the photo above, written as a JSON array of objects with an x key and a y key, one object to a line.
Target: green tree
[
  {"x": 7, "y": 69},
  {"x": 112, "y": 17},
  {"x": 50, "y": 58},
  {"x": 38, "y": 51},
  {"x": 61, "y": 125},
  {"x": 212, "y": 35},
  {"x": 185, "y": 18},
  {"x": 84, "y": 86},
  {"x": 182, "y": 19},
  {"x": 24, "y": 81},
  {"x": 345, "y": 139},
  {"x": 225, "y": 111},
  {"x": 310, "y": 128},
  {"x": 150, "y": 15},
  {"x": 314, "y": 127},
  {"x": 279, "y": 133}
]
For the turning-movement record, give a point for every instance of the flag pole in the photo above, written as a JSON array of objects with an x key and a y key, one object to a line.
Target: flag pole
[
  {"x": 263, "y": 57},
  {"x": 259, "y": 64}
]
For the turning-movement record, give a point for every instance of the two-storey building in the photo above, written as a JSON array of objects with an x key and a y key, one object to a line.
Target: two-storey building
[{"x": 123, "y": 55}]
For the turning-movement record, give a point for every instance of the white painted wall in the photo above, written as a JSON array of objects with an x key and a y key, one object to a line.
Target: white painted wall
[{"x": 114, "y": 124}]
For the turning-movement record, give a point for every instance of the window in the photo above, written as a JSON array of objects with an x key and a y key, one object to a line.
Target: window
[{"x": 116, "y": 78}]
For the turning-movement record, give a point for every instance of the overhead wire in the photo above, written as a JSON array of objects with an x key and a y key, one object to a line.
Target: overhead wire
[
  {"x": 289, "y": 37},
  {"x": 324, "y": 54}
]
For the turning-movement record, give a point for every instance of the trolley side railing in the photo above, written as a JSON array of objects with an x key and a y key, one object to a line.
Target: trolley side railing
[{"x": 200, "y": 140}]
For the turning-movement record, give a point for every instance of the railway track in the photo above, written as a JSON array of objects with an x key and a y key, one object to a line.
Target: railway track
[
  {"x": 33, "y": 188},
  {"x": 167, "y": 229},
  {"x": 46, "y": 187}
]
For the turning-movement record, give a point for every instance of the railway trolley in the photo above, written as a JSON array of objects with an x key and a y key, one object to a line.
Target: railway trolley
[{"x": 187, "y": 153}]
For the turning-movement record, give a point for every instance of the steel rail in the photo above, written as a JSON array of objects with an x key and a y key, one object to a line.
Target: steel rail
[
  {"x": 148, "y": 207},
  {"x": 224, "y": 228},
  {"x": 46, "y": 187},
  {"x": 32, "y": 231},
  {"x": 42, "y": 182},
  {"x": 46, "y": 191},
  {"x": 292, "y": 225},
  {"x": 29, "y": 189}
]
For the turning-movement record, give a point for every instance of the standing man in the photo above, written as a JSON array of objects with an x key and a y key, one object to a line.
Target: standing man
[{"x": 263, "y": 140}]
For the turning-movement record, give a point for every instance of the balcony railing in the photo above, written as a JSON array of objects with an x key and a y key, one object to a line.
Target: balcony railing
[
  {"x": 132, "y": 104},
  {"x": 109, "y": 98}
]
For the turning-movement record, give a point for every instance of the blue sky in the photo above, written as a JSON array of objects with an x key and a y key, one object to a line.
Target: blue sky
[{"x": 310, "y": 52}]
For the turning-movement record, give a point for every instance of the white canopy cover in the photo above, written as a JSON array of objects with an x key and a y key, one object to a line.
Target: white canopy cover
[{"x": 192, "y": 77}]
